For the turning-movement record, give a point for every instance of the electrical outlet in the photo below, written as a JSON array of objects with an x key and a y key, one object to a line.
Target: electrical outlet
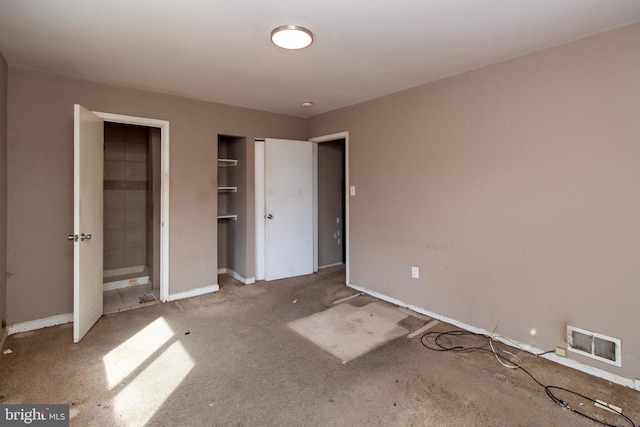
[
  {"x": 561, "y": 352},
  {"x": 352, "y": 190},
  {"x": 636, "y": 384},
  {"x": 415, "y": 272}
]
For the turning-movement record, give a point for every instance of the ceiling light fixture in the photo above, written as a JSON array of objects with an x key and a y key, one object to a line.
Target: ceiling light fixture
[
  {"x": 306, "y": 104},
  {"x": 291, "y": 37}
]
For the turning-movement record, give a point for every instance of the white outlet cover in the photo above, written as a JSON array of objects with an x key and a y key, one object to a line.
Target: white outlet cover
[
  {"x": 636, "y": 383},
  {"x": 415, "y": 272}
]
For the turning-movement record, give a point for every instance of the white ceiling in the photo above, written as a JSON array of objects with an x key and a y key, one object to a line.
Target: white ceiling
[{"x": 220, "y": 50}]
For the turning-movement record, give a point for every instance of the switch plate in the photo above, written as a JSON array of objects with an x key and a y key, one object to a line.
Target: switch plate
[
  {"x": 415, "y": 272},
  {"x": 352, "y": 190}
]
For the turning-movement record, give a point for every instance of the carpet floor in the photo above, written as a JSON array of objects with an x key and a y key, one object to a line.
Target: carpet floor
[{"x": 232, "y": 359}]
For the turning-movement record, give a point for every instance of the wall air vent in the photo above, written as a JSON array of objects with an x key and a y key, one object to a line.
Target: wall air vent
[{"x": 596, "y": 346}]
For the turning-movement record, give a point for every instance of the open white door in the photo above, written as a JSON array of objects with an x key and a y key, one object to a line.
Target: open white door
[
  {"x": 288, "y": 208},
  {"x": 87, "y": 223}
]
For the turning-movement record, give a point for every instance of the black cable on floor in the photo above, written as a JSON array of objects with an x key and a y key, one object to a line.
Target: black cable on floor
[{"x": 433, "y": 341}]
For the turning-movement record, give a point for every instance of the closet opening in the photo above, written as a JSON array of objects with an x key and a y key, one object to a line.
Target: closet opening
[{"x": 232, "y": 208}]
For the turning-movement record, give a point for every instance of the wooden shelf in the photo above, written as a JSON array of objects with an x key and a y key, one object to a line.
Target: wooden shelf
[
  {"x": 227, "y": 162},
  {"x": 231, "y": 189},
  {"x": 228, "y": 216}
]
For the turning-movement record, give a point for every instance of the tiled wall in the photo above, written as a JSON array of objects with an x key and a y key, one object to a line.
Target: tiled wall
[{"x": 125, "y": 195}]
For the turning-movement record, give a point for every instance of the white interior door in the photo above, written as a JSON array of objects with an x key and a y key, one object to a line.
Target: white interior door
[
  {"x": 288, "y": 208},
  {"x": 87, "y": 223}
]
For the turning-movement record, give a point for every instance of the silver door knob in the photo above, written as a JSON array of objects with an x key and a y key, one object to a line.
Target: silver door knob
[
  {"x": 72, "y": 237},
  {"x": 84, "y": 237},
  {"x": 270, "y": 216}
]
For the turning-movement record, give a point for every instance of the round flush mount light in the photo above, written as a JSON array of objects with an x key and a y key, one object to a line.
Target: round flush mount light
[{"x": 291, "y": 37}]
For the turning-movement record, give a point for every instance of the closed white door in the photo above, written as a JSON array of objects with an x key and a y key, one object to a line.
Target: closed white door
[
  {"x": 88, "y": 217},
  {"x": 288, "y": 208}
]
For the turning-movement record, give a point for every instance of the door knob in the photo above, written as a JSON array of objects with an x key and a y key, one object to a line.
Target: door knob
[
  {"x": 72, "y": 237},
  {"x": 84, "y": 237},
  {"x": 270, "y": 216}
]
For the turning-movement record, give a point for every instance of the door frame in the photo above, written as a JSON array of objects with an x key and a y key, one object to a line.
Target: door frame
[
  {"x": 318, "y": 140},
  {"x": 164, "y": 187},
  {"x": 259, "y": 201},
  {"x": 259, "y": 196}
]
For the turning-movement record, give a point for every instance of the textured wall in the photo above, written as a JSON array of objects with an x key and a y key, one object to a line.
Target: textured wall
[{"x": 515, "y": 190}]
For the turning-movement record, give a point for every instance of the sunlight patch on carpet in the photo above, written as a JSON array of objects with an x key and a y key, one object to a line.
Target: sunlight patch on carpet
[{"x": 348, "y": 332}]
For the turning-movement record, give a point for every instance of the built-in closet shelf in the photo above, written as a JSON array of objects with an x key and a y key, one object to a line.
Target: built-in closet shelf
[
  {"x": 228, "y": 216},
  {"x": 231, "y": 172},
  {"x": 227, "y": 162}
]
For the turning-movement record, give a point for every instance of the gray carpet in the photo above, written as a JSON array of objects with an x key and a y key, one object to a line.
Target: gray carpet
[{"x": 229, "y": 359}]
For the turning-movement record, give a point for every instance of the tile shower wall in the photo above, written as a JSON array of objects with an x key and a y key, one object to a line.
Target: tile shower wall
[{"x": 125, "y": 195}]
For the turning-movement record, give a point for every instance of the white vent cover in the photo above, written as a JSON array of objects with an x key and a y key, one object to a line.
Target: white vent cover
[{"x": 596, "y": 346}]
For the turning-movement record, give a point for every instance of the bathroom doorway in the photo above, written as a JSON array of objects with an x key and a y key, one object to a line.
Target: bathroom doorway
[{"x": 131, "y": 257}]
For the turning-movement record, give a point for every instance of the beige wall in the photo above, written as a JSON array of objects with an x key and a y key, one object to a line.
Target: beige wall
[
  {"x": 3, "y": 192},
  {"x": 40, "y": 176},
  {"x": 515, "y": 190}
]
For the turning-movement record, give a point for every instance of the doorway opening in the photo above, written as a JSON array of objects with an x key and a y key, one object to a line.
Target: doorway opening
[
  {"x": 330, "y": 203},
  {"x": 336, "y": 150},
  {"x": 131, "y": 257},
  {"x": 88, "y": 208}
]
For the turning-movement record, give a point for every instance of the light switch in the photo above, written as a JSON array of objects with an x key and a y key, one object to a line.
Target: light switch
[{"x": 352, "y": 190}]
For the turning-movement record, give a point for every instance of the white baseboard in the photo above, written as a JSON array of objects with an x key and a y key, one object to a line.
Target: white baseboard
[
  {"x": 40, "y": 323},
  {"x": 596, "y": 372},
  {"x": 194, "y": 292},
  {"x": 119, "y": 284},
  {"x": 335, "y": 264},
  {"x": 238, "y": 277},
  {"x": 136, "y": 269}
]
